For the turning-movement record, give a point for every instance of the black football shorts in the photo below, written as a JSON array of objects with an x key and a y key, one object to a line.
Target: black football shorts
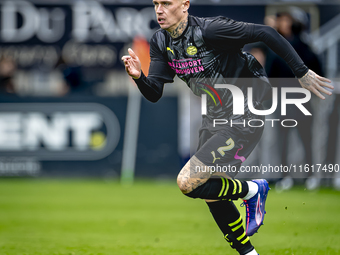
[{"x": 226, "y": 151}]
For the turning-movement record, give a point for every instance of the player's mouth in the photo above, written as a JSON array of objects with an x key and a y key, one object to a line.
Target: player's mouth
[{"x": 161, "y": 21}]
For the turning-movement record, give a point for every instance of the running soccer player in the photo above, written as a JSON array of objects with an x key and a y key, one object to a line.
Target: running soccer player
[{"x": 192, "y": 47}]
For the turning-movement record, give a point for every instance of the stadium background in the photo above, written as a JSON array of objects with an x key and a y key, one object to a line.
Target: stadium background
[{"x": 73, "y": 122}]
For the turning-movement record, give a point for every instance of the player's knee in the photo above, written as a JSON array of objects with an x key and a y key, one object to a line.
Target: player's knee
[
  {"x": 191, "y": 187},
  {"x": 183, "y": 184},
  {"x": 189, "y": 178}
]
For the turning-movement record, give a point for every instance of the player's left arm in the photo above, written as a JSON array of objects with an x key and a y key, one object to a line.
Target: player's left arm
[
  {"x": 230, "y": 35},
  {"x": 307, "y": 78}
]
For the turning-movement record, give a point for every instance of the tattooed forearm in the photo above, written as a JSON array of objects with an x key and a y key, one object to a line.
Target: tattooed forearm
[
  {"x": 307, "y": 79},
  {"x": 179, "y": 29}
]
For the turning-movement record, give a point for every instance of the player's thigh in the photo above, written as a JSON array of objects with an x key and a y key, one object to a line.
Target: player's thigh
[
  {"x": 201, "y": 167},
  {"x": 224, "y": 152},
  {"x": 220, "y": 154}
]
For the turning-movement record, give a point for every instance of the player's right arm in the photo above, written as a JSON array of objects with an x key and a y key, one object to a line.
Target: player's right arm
[{"x": 159, "y": 72}]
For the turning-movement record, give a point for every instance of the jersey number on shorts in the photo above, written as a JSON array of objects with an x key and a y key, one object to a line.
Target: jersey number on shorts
[{"x": 221, "y": 150}]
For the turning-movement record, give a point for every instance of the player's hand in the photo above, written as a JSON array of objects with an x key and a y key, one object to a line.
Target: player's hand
[
  {"x": 132, "y": 64},
  {"x": 316, "y": 84}
]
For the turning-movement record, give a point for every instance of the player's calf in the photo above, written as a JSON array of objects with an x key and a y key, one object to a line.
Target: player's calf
[{"x": 230, "y": 222}]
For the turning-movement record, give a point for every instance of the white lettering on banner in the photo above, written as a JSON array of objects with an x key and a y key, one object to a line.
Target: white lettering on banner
[
  {"x": 54, "y": 131},
  {"x": 54, "y": 32},
  {"x": 9, "y": 27},
  {"x": 28, "y": 131},
  {"x": 38, "y": 129},
  {"x": 27, "y": 56},
  {"x": 82, "y": 125},
  {"x": 19, "y": 166},
  {"x": 93, "y": 22},
  {"x": 10, "y": 135},
  {"x": 48, "y": 26},
  {"x": 89, "y": 55}
]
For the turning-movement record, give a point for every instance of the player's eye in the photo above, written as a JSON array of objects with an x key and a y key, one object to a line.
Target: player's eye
[{"x": 166, "y": 4}]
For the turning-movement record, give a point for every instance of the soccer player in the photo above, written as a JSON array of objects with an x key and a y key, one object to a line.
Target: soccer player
[{"x": 192, "y": 47}]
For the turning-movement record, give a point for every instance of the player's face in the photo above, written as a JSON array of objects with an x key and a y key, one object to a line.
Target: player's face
[{"x": 170, "y": 13}]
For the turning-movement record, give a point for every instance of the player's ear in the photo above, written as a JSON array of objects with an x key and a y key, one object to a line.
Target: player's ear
[{"x": 186, "y": 5}]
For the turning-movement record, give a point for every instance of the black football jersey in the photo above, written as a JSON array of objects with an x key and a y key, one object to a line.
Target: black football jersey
[{"x": 209, "y": 52}]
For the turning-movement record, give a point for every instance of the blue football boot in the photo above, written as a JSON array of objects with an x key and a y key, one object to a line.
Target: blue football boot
[{"x": 255, "y": 210}]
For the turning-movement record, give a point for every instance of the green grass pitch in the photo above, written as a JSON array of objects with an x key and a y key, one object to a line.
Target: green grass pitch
[{"x": 72, "y": 217}]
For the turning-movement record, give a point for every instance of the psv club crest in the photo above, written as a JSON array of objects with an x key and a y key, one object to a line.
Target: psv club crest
[{"x": 191, "y": 50}]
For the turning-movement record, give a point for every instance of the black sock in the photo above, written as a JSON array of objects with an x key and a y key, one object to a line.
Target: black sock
[
  {"x": 220, "y": 188},
  {"x": 230, "y": 222}
]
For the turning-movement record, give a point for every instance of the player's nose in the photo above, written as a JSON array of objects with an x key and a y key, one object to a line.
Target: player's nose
[{"x": 159, "y": 9}]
